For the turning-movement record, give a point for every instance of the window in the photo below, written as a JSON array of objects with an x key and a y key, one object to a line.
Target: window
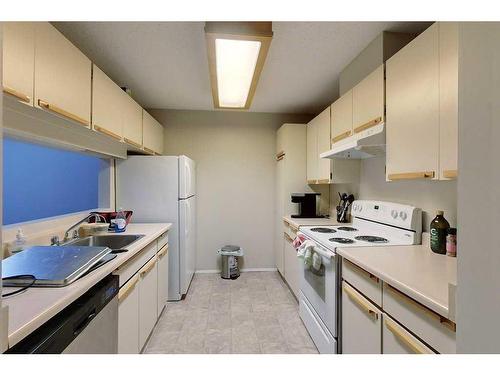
[{"x": 41, "y": 181}]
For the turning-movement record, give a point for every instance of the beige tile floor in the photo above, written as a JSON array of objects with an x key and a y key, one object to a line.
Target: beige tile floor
[{"x": 255, "y": 313}]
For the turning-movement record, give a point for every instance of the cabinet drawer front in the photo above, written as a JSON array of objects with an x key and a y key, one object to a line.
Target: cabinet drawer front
[
  {"x": 435, "y": 330},
  {"x": 361, "y": 323},
  {"x": 128, "y": 318},
  {"x": 365, "y": 282},
  {"x": 290, "y": 230},
  {"x": 148, "y": 301},
  {"x": 397, "y": 340},
  {"x": 162, "y": 240},
  {"x": 133, "y": 265}
]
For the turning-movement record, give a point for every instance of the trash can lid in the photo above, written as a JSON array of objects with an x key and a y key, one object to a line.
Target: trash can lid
[{"x": 231, "y": 250}]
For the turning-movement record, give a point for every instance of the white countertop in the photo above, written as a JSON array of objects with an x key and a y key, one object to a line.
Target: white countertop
[
  {"x": 414, "y": 270},
  {"x": 297, "y": 222},
  {"x": 34, "y": 307}
]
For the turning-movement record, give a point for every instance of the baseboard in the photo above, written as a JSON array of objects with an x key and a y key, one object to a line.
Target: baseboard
[
  {"x": 242, "y": 270},
  {"x": 258, "y": 269}
]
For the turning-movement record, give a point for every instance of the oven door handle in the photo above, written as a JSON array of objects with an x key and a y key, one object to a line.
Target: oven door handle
[{"x": 324, "y": 253}]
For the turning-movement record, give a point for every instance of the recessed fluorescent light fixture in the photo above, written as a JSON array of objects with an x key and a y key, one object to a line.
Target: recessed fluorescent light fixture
[{"x": 236, "y": 55}]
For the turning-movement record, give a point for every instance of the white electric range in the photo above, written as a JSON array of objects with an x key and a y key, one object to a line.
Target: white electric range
[{"x": 374, "y": 223}]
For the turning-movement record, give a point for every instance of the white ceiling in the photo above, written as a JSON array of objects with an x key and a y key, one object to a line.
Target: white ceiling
[{"x": 165, "y": 63}]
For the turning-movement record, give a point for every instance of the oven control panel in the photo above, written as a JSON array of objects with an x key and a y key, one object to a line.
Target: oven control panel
[{"x": 398, "y": 215}]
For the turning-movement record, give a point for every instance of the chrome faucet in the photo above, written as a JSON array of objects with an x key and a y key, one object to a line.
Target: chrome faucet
[{"x": 74, "y": 226}]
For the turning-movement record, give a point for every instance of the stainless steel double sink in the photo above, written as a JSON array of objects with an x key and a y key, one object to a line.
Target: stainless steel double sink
[{"x": 116, "y": 243}]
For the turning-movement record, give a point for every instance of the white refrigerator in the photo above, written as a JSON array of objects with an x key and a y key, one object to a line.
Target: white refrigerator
[{"x": 163, "y": 189}]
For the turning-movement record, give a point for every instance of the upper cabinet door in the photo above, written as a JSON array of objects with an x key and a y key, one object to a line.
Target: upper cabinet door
[
  {"x": 448, "y": 99},
  {"x": 19, "y": 60},
  {"x": 152, "y": 134},
  {"x": 107, "y": 105},
  {"x": 341, "y": 120},
  {"x": 312, "y": 155},
  {"x": 62, "y": 76},
  {"x": 132, "y": 121},
  {"x": 368, "y": 101},
  {"x": 412, "y": 118},
  {"x": 323, "y": 134}
]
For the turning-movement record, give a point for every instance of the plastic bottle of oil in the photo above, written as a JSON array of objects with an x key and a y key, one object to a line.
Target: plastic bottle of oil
[{"x": 439, "y": 229}]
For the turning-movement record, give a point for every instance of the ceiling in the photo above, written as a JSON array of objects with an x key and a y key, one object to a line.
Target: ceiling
[{"x": 165, "y": 63}]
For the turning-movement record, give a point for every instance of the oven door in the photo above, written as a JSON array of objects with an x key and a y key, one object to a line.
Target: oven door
[{"x": 319, "y": 288}]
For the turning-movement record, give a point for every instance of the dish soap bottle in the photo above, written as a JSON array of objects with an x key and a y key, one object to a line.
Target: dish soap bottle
[
  {"x": 439, "y": 230},
  {"x": 19, "y": 242}
]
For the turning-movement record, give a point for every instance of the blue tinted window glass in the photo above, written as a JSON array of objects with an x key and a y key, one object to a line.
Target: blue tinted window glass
[{"x": 41, "y": 181}]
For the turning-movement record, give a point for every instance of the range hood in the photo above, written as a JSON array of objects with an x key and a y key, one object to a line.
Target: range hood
[{"x": 362, "y": 145}]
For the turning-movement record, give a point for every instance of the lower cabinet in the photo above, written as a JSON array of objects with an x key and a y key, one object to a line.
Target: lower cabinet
[
  {"x": 292, "y": 266},
  {"x": 162, "y": 278},
  {"x": 361, "y": 323},
  {"x": 128, "y": 317},
  {"x": 397, "y": 340},
  {"x": 148, "y": 299}
]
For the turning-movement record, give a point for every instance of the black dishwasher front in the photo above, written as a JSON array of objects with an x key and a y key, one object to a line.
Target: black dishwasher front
[{"x": 87, "y": 326}]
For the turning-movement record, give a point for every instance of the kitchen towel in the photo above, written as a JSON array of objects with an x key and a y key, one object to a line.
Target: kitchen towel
[{"x": 306, "y": 251}]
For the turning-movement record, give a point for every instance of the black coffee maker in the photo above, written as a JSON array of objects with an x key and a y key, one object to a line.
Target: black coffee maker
[{"x": 308, "y": 205}]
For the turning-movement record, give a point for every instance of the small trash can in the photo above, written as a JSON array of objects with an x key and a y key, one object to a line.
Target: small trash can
[{"x": 229, "y": 261}]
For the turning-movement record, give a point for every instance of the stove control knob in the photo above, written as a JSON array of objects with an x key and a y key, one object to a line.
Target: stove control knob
[
  {"x": 394, "y": 214},
  {"x": 403, "y": 215}
]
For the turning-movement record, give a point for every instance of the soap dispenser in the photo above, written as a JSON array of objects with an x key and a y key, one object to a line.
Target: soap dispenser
[{"x": 20, "y": 242}]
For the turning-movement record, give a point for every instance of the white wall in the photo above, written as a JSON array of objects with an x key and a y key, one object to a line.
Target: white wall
[
  {"x": 427, "y": 195},
  {"x": 235, "y": 156},
  {"x": 478, "y": 301}
]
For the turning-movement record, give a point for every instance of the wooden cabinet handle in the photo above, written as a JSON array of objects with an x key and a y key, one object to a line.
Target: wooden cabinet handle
[
  {"x": 404, "y": 337},
  {"x": 280, "y": 155},
  {"x": 287, "y": 237},
  {"x": 360, "y": 270},
  {"x": 368, "y": 125},
  {"x": 323, "y": 181},
  {"x": 450, "y": 173},
  {"x": 441, "y": 319},
  {"x": 359, "y": 301},
  {"x": 148, "y": 266},
  {"x": 149, "y": 151},
  {"x": 132, "y": 143},
  {"x": 19, "y": 95},
  {"x": 107, "y": 132},
  {"x": 62, "y": 112},
  {"x": 411, "y": 175},
  {"x": 127, "y": 288},
  {"x": 342, "y": 136},
  {"x": 163, "y": 251}
]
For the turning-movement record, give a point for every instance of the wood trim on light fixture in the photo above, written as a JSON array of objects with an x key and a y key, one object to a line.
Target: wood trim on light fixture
[{"x": 251, "y": 31}]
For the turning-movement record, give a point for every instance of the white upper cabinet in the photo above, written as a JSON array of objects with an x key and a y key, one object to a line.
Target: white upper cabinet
[
  {"x": 19, "y": 60},
  {"x": 107, "y": 105},
  {"x": 132, "y": 121},
  {"x": 62, "y": 76},
  {"x": 412, "y": 119},
  {"x": 341, "y": 119},
  {"x": 152, "y": 134},
  {"x": 368, "y": 101},
  {"x": 312, "y": 155},
  {"x": 422, "y": 106},
  {"x": 323, "y": 144},
  {"x": 448, "y": 99}
]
